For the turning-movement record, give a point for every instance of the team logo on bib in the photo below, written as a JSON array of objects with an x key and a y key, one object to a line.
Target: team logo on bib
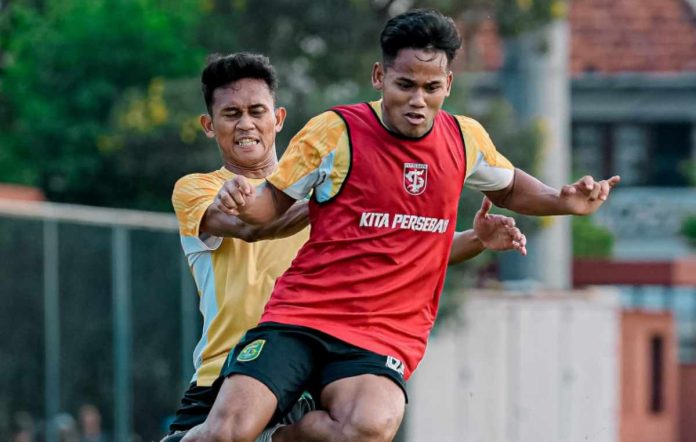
[
  {"x": 415, "y": 178},
  {"x": 251, "y": 351}
]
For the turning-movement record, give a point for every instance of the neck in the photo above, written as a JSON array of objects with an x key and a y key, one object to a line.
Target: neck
[{"x": 260, "y": 170}]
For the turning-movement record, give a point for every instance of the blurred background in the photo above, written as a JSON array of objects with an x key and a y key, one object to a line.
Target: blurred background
[{"x": 591, "y": 337}]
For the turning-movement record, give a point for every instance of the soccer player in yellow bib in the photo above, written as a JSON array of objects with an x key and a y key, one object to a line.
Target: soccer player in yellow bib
[{"x": 234, "y": 264}]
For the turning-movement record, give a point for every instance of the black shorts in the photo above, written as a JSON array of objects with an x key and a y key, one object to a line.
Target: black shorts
[
  {"x": 198, "y": 401},
  {"x": 195, "y": 406},
  {"x": 291, "y": 359}
]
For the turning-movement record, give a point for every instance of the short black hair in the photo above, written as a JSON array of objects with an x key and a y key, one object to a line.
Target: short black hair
[
  {"x": 419, "y": 29},
  {"x": 222, "y": 70}
]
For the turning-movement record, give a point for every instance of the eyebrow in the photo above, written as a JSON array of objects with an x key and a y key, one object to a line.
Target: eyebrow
[
  {"x": 255, "y": 106},
  {"x": 409, "y": 80}
]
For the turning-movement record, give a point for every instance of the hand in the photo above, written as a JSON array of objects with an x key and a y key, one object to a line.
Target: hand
[
  {"x": 498, "y": 232},
  {"x": 196, "y": 434},
  {"x": 233, "y": 195},
  {"x": 584, "y": 196}
]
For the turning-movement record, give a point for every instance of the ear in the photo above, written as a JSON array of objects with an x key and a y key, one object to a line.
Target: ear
[
  {"x": 207, "y": 125},
  {"x": 449, "y": 83},
  {"x": 378, "y": 76},
  {"x": 280, "y": 114}
]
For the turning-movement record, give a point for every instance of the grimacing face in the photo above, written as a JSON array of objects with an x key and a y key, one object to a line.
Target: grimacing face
[
  {"x": 413, "y": 87},
  {"x": 244, "y": 123}
]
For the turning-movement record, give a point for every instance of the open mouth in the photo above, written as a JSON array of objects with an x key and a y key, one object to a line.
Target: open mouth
[
  {"x": 246, "y": 142},
  {"x": 415, "y": 118}
]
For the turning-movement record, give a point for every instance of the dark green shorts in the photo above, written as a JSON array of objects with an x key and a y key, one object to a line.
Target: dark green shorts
[
  {"x": 290, "y": 359},
  {"x": 198, "y": 401}
]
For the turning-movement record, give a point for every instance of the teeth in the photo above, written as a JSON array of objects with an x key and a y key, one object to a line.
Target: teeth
[{"x": 246, "y": 142}]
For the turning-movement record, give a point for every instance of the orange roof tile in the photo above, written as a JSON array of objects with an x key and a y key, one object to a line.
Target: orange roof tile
[
  {"x": 17, "y": 192},
  {"x": 610, "y": 36}
]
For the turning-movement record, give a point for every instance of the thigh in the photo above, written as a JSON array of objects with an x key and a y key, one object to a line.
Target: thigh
[
  {"x": 282, "y": 358},
  {"x": 195, "y": 406},
  {"x": 243, "y": 407},
  {"x": 368, "y": 407},
  {"x": 347, "y": 361}
]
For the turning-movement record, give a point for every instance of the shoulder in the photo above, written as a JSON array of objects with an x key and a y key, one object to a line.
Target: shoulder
[
  {"x": 319, "y": 136},
  {"x": 469, "y": 126},
  {"x": 197, "y": 180},
  {"x": 327, "y": 120},
  {"x": 192, "y": 186}
]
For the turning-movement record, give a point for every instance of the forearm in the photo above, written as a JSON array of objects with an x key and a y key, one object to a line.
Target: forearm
[
  {"x": 529, "y": 196},
  {"x": 267, "y": 205},
  {"x": 218, "y": 223},
  {"x": 292, "y": 221},
  {"x": 465, "y": 245}
]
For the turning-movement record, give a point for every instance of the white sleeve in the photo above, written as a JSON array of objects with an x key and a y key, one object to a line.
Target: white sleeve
[{"x": 485, "y": 177}]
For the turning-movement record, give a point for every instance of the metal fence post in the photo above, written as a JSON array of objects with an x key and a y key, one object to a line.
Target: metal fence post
[
  {"x": 51, "y": 327},
  {"x": 121, "y": 286}
]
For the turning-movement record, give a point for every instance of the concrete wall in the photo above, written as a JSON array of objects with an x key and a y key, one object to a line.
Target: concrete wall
[
  {"x": 642, "y": 419},
  {"x": 518, "y": 368},
  {"x": 687, "y": 403}
]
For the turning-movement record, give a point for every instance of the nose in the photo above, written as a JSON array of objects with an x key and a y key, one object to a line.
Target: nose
[
  {"x": 245, "y": 122},
  {"x": 417, "y": 99}
]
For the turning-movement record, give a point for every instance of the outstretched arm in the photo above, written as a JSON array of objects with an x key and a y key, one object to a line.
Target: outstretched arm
[
  {"x": 494, "y": 232},
  {"x": 529, "y": 196}
]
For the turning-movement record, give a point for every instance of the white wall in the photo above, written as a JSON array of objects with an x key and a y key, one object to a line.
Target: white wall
[{"x": 519, "y": 368}]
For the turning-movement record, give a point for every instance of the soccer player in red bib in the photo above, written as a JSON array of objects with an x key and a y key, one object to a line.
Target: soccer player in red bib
[{"x": 350, "y": 319}]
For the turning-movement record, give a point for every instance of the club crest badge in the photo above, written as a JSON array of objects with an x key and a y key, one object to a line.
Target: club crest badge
[
  {"x": 415, "y": 178},
  {"x": 251, "y": 351}
]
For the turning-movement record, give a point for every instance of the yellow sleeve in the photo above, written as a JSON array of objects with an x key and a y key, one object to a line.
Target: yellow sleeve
[
  {"x": 486, "y": 168},
  {"x": 318, "y": 158},
  {"x": 191, "y": 197}
]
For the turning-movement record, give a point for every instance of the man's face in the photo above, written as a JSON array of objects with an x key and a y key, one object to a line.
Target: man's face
[
  {"x": 244, "y": 123},
  {"x": 414, "y": 87}
]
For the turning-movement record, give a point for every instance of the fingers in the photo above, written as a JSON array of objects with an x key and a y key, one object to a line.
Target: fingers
[
  {"x": 243, "y": 185},
  {"x": 606, "y": 186},
  {"x": 587, "y": 184},
  {"x": 501, "y": 220},
  {"x": 592, "y": 189},
  {"x": 521, "y": 244},
  {"x": 485, "y": 206},
  {"x": 517, "y": 240},
  {"x": 233, "y": 195},
  {"x": 604, "y": 192},
  {"x": 568, "y": 189},
  {"x": 594, "y": 193}
]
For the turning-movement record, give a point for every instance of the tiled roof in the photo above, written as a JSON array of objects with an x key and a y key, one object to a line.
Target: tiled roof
[
  {"x": 610, "y": 36},
  {"x": 17, "y": 192}
]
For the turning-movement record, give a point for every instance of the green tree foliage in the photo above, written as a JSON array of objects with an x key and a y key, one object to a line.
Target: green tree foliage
[
  {"x": 65, "y": 65},
  {"x": 591, "y": 240},
  {"x": 323, "y": 49},
  {"x": 89, "y": 97},
  {"x": 688, "y": 229}
]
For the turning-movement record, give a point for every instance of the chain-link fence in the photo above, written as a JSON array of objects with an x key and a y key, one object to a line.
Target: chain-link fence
[{"x": 98, "y": 308}]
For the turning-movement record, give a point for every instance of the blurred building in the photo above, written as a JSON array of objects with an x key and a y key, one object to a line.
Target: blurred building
[{"x": 633, "y": 113}]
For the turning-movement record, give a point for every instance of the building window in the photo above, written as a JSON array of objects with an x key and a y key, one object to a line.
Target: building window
[
  {"x": 657, "y": 377},
  {"x": 630, "y": 153},
  {"x": 643, "y": 154}
]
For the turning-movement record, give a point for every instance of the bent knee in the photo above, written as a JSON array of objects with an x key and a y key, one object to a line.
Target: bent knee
[
  {"x": 373, "y": 427},
  {"x": 239, "y": 429}
]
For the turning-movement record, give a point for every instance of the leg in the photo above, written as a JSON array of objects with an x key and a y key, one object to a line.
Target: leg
[
  {"x": 362, "y": 408},
  {"x": 263, "y": 377},
  {"x": 243, "y": 408}
]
